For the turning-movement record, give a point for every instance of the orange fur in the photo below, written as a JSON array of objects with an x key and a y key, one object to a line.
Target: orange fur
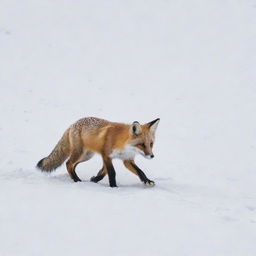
[{"x": 109, "y": 139}]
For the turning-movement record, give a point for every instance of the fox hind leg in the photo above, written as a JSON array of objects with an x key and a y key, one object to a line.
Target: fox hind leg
[
  {"x": 74, "y": 160},
  {"x": 71, "y": 170}
]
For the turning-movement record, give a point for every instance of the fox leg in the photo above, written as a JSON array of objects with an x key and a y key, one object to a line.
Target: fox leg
[
  {"x": 111, "y": 171},
  {"x": 76, "y": 158},
  {"x": 131, "y": 166},
  {"x": 101, "y": 174},
  {"x": 71, "y": 165}
]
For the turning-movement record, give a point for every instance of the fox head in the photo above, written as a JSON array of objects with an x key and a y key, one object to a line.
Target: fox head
[{"x": 143, "y": 137}]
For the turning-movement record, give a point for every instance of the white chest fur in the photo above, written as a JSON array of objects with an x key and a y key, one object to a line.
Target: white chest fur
[{"x": 127, "y": 153}]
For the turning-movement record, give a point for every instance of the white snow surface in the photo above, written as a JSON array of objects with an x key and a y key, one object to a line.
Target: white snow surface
[{"x": 190, "y": 63}]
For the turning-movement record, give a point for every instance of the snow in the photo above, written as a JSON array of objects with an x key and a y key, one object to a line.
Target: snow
[{"x": 190, "y": 63}]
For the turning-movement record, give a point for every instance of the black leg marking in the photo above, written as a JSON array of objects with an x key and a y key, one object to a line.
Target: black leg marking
[
  {"x": 142, "y": 175},
  {"x": 101, "y": 174},
  {"x": 75, "y": 177},
  {"x": 71, "y": 171},
  {"x": 111, "y": 173},
  {"x": 97, "y": 178}
]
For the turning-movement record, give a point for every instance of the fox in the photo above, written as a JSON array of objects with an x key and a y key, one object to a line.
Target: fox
[{"x": 111, "y": 140}]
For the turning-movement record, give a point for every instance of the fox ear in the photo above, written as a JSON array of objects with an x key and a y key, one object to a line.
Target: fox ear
[
  {"x": 153, "y": 124},
  {"x": 135, "y": 128}
]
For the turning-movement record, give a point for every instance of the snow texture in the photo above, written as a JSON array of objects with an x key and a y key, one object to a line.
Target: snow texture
[{"x": 190, "y": 63}]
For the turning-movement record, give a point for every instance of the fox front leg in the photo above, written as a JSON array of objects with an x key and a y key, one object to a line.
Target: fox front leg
[
  {"x": 101, "y": 174},
  {"x": 111, "y": 171},
  {"x": 130, "y": 165}
]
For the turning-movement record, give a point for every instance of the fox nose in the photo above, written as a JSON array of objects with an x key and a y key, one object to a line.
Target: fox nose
[{"x": 152, "y": 156}]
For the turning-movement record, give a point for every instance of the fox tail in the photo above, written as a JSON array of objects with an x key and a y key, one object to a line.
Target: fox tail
[{"x": 59, "y": 154}]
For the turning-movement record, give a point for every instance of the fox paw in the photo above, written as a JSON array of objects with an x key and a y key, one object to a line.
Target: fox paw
[
  {"x": 93, "y": 179},
  {"x": 149, "y": 183}
]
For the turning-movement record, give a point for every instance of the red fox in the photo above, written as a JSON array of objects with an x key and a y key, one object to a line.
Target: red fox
[{"x": 109, "y": 139}]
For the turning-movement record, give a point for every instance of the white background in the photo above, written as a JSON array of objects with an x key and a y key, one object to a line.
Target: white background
[{"x": 190, "y": 63}]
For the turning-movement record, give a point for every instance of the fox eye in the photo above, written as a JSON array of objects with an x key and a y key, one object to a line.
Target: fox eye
[
  {"x": 142, "y": 145},
  {"x": 151, "y": 144}
]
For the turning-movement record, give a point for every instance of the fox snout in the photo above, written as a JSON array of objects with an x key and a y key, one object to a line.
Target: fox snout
[
  {"x": 150, "y": 156},
  {"x": 147, "y": 151}
]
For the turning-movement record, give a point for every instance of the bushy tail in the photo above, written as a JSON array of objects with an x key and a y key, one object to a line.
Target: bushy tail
[{"x": 59, "y": 154}]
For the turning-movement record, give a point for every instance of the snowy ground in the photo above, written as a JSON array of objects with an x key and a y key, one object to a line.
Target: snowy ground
[{"x": 191, "y": 63}]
